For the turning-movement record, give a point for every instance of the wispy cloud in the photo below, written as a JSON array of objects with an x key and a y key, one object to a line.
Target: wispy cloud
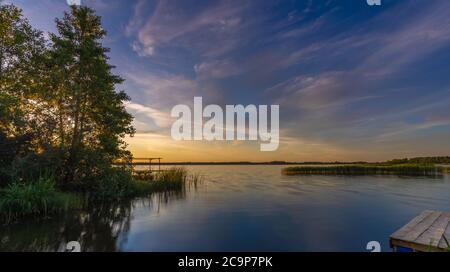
[
  {"x": 161, "y": 119},
  {"x": 360, "y": 100},
  {"x": 352, "y": 81},
  {"x": 171, "y": 23},
  {"x": 217, "y": 69}
]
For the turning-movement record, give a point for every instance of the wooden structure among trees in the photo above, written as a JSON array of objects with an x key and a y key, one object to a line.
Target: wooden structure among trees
[
  {"x": 150, "y": 162},
  {"x": 151, "y": 167},
  {"x": 428, "y": 232}
]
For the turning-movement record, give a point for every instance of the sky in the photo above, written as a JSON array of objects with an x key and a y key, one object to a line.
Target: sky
[{"x": 354, "y": 82}]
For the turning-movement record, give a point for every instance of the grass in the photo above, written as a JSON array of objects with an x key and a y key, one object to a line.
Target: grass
[
  {"x": 121, "y": 184},
  {"x": 42, "y": 198},
  {"x": 369, "y": 169},
  {"x": 34, "y": 200},
  {"x": 174, "y": 179}
]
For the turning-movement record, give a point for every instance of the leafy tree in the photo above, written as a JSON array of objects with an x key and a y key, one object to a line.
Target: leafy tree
[
  {"x": 22, "y": 49},
  {"x": 59, "y": 108},
  {"x": 90, "y": 114}
]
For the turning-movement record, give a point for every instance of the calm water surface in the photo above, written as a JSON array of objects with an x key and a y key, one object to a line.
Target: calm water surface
[{"x": 244, "y": 208}]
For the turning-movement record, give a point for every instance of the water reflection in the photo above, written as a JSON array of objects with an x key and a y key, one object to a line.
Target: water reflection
[
  {"x": 244, "y": 208},
  {"x": 98, "y": 227}
]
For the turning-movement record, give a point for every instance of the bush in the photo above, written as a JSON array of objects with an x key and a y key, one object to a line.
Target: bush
[
  {"x": 4, "y": 177},
  {"x": 113, "y": 184},
  {"x": 34, "y": 166},
  {"x": 37, "y": 199}
]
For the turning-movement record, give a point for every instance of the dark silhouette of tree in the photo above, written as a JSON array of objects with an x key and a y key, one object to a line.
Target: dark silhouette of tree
[
  {"x": 59, "y": 107},
  {"x": 90, "y": 114},
  {"x": 22, "y": 50}
]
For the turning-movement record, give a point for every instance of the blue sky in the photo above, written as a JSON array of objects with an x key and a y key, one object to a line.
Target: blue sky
[{"x": 354, "y": 82}]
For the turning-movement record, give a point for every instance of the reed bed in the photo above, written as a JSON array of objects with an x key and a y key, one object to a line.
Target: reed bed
[
  {"x": 403, "y": 170},
  {"x": 173, "y": 179},
  {"x": 42, "y": 198}
]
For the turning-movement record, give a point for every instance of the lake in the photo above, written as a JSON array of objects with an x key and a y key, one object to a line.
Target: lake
[{"x": 244, "y": 208}]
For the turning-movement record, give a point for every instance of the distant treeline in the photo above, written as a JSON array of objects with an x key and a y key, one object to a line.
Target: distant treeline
[
  {"x": 418, "y": 160},
  {"x": 422, "y": 160},
  {"x": 249, "y": 163}
]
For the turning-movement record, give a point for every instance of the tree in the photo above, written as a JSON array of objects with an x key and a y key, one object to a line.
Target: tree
[
  {"x": 90, "y": 114},
  {"x": 22, "y": 49}
]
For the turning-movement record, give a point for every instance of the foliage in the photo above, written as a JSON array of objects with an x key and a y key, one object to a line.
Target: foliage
[
  {"x": 22, "y": 50},
  {"x": 117, "y": 184},
  {"x": 60, "y": 115},
  {"x": 59, "y": 108},
  {"x": 38, "y": 199},
  {"x": 92, "y": 120}
]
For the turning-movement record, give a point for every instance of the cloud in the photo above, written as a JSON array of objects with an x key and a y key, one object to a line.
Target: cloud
[
  {"x": 175, "y": 23},
  {"x": 425, "y": 32},
  {"x": 217, "y": 69},
  {"x": 142, "y": 50},
  {"x": 165, "y": 90},
  {"x": 161, "y": 119},
  {"x": 360, "y": 101}
]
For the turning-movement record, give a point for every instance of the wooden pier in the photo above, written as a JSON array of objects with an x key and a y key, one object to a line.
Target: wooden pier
[
  {"x": 151, "y": 167},
  {"x": 148, "y": 162},
  {"x": 428, "y": 232}
]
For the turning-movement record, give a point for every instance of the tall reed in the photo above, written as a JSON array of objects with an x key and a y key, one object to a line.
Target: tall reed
[
  {"x": 401, "y": 169},
  {"x": 36, "y": 199},
  {"x": 173, "y": 179}
]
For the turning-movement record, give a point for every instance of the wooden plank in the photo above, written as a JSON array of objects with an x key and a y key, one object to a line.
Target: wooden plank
[
  {"x": 422, "y": 227},
  {"x": 416, "y": 247},
  {"x": 410, "y": 226},
  {"x": 433, "y": 235},
  {"x": 442, "y": 243}
]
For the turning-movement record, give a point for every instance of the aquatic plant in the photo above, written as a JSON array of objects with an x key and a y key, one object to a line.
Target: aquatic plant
[
  {"x": 173, "y": 179},
  {"x": 369, "y": 169}
]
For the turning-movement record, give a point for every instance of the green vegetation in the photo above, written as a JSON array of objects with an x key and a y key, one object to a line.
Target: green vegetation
[
  {"x": 422, "y": 160},
  {"x": 120, "y": 186},
  {"x": 62, "y": 120},
  {"x": 176, "y": 179},
  {"x": 401, "y": 169},
  {"x": 60, "y": 110},
  {"x": 42, "y": 198},
  {"x": 30, "y": 200}
]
